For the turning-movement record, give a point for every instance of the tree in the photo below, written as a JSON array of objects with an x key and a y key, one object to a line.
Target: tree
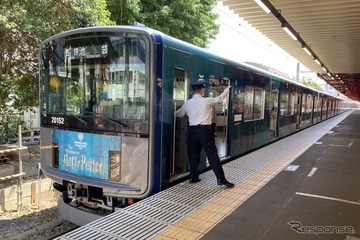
[
  {"x": 23, "y": 25},
  {"x": 311, "y": 82},
  {"x": 189, "y": 20},
  {"x": 314, "y": 85}
]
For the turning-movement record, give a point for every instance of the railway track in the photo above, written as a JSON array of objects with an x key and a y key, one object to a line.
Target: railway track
[
  {"x": 31, "y": 224},
  {"x": 69, "y": 229}
]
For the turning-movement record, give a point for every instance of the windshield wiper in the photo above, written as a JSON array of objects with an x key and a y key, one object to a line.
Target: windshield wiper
[
  {"x": 108, "y": 118},
  {"x": 77, "y": 117}
]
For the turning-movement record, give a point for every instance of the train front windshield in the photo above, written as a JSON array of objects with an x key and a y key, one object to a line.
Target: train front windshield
[{"x": 97, "y": 82}]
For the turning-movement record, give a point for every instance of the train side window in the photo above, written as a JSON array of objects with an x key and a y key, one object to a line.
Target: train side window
[
  {"x": 238, "y": 100},
  {"x": 249, "y": 100},
  {"x": 259, "y": 100},
  {"x": 304, "y": 103},
  {"x": 284, "y": 104},
  {"x": 309, "y": 104},
  {"x": 293, "y": 103},
  {"x": 317, "y": 104},
  {"x": 254, "y": 103},
  {"x": 179, "y": 89},
  {"x": 287, "y": 105}
]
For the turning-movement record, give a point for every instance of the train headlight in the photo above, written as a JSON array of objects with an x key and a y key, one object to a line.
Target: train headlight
[
  {"x": 115, "y": 165},
  {"x": 54, "y": 83}
]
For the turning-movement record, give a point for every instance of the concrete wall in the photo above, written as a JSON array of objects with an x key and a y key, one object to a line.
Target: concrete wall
[{"x": 9, "y": 196}]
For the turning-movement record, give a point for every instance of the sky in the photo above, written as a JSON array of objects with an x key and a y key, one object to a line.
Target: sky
[{"x": 238, "y": 41}]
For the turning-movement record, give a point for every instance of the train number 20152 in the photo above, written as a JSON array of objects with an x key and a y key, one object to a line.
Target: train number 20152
[{"x": 57, "y": 120}]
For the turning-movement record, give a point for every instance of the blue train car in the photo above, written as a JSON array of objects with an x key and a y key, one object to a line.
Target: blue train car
[{"x": 109, "y": 135}]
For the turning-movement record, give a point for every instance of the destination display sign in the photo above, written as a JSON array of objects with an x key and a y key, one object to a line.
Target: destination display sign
[{"x": 91, "y": 51}]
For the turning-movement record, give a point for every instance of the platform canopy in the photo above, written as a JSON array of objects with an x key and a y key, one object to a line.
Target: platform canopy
[{"x": 328, "y": 29}]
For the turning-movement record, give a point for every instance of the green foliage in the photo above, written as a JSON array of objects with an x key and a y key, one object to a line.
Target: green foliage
[
  {"x": 9, "y": 126},
  {"x": 189, "y": 20},
  {"x": 124, "y": 12},
  {"x": 9, "y": 119},
  {"x": 314, "y": 85},
  {"x": 23, "y": 25},
  {"x": 17, "y": 92}
]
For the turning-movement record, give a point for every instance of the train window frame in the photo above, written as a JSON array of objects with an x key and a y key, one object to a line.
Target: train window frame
[
  {"x": 317, "y": 104},
  {"x": 287, "y": 103},
  {"x": 254, "y": 103},
  {"x": 98, "y": 72},
  {"x": 304, "y": 103},
  {"x": 310, "y": 103}
]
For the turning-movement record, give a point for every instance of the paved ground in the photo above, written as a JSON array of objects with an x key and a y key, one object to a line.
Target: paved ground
[{"x": 319, "y": 198}]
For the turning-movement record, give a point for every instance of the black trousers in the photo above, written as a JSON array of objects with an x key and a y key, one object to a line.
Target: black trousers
[{"x": 198, "y": 137}]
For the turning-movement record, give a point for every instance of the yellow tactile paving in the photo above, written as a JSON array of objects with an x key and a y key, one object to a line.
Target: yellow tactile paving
[
  {"x": 226, "y": 201},
  {"x": 231, "y": 195},
  {"x": 194, "y": 224},
  {"x": 205, "y": 213},
  {"x": 202, "y": 220},
  {"x": 216, "y": 208},
  {"x": 176, "y": 232}
]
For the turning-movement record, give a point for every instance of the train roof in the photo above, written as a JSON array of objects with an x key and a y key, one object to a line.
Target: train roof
[
  {"x": 110, "y": 28},
  {"x": 221, "y": 59},
  {"x": 182, "y": 45}
]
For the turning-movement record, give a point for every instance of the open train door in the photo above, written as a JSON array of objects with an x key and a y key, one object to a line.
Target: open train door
[
  {"x": 220, "y": 114},
  {"x": 179, "y": 164}
]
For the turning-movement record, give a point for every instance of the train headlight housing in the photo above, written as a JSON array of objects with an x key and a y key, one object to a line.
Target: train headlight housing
[
  {"x": 55, "y": 153},
  {"x": 115, "y": 166}
]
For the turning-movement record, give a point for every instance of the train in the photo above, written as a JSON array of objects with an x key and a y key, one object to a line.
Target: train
[{"x": 108, "y": 96}]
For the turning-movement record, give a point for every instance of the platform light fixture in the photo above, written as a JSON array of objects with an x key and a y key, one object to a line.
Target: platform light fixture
[
  {"x": 266, "y": 6},
  {"x": 287, "y": 30},
  {"x": 263, "y": 6},
  {"x": 306, "y": 49}
]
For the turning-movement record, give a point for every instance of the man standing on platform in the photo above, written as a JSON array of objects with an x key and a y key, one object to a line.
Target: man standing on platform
[{"x": 200, "y": 132}]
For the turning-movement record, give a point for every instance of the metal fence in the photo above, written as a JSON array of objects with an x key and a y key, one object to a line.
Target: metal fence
[{"x": 31, "y": 136}]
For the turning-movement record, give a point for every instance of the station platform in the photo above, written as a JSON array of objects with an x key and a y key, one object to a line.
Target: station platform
[{"x": 306, "y": 186}]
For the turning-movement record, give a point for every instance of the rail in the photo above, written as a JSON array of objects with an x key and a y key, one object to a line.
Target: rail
[{"x": 12, "y": 176}]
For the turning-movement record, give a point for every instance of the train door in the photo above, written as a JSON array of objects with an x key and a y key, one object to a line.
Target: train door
[
  {"x": 298, "y": 111},
  {"x": 312, "y": 110},
  {"x": 220, "y": 114},
  {"x": 274, "y": 100},
  {"x": 179, "y": 165}
]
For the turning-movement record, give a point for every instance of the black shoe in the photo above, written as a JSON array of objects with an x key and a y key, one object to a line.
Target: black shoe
[
  {"x": 225, "y": 182},
  {"x": 195, "y": 180}
]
